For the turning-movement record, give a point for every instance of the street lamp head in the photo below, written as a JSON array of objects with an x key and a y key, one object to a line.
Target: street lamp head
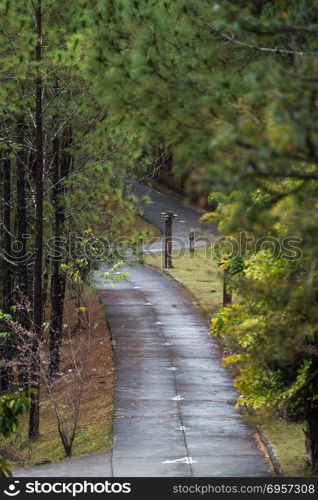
[
  {"x": 168, "y": 215},
  {"x": 191, "y": 235}
]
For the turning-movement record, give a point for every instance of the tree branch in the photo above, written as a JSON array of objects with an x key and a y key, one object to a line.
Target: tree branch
[
  {"x": 231, "y": 38},
  {"x": 310, "y": 30}
]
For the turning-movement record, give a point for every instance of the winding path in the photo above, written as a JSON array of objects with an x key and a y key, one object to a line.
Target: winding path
[{"x": 173, "y": 403}]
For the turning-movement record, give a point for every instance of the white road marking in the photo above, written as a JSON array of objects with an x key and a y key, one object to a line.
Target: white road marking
[{"x": 185, "y": 460}]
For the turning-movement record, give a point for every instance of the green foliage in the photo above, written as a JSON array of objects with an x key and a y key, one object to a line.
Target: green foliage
[
  {"x": 4, "y": 469},
  {"x": 12, "y": 406},
  {"x": 114, "y": 275}
]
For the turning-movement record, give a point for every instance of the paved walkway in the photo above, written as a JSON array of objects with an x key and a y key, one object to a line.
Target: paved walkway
[
  {"x": 92, "y": 466},
  {"x": 173, "y": 403}
]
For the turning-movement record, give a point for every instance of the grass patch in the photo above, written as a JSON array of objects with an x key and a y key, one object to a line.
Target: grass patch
[
  {"x": 287, "y": 439},
  {"x": 199, "y": 275},
  {"x": 203, "y": 279},
  {"x": 94, "y": 433},
  {"x": 140, "y": 225}
]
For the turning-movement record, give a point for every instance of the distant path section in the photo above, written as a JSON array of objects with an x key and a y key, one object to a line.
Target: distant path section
[{"x": 187, "y": 218}]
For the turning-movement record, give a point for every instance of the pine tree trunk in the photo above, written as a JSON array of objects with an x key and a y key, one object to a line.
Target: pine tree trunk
[
  {"x": 311, "y": 434},
  {"x": 45, "y": 284},
  {"x": 34, "y": 420},
  {"x": 7, "y": 276},
  {"x": 56, "y": 280},
  {"x": 6, "y": 377},
  {"x": 22, "y": 275},
  {"x": 62, "y": 167}
]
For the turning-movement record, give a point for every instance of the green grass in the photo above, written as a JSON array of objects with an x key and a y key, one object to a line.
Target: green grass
[
  {"x": 90, "y": 439},
  {"x": 203, "y": 279},
  {"x": 140, "y": 224},
  {"x": 288, "y": 441}
]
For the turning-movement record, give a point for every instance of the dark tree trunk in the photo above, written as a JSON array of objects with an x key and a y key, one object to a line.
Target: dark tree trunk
[
  {"x": 22, "y": 275},
  {"x": 7, "y": 275},
  {"x": 311, "y": 440},
  {"x": 311, "y": 432},
  {"x": 227, "y": 296},
  {"x": 34, "y": 420},
  {"x": 62, "y": 167},
  {"x": 56, "y": 280},
  {"x": 45, "y": 285},
  {"x": 66, "y": 161},
  {"x": 6, "y": 377}
]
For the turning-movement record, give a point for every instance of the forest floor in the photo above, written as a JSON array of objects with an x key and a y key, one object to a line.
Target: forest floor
[
  {"x": 202, "y": 277},
  {"x": 87, "y": 348},
  {"x": 140, "y": 225}
]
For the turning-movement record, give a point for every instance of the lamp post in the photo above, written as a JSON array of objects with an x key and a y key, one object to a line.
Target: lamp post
[
  {"x": 168, "y": 216},
  {"x": 191, "y": 241},
  {"x": 227, "y": 296}
]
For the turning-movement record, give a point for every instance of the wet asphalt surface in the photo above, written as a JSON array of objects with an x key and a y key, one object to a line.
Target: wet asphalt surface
[
  {"x": 186, "y": 220},
  {"x": 174, "y": 405}
]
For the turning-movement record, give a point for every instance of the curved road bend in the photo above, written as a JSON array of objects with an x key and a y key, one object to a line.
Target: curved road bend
[
  {"x": 173, "y": 402},
  {"x": 187, "y": 219}
]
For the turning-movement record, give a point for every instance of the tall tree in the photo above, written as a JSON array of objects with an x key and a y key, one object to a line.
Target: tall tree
[
  {"x": 6, "y": 369},
  {"x": 38, "y": 251},
  {"x": 56, "y": 281},
  {"x": 21, "y": 254}
]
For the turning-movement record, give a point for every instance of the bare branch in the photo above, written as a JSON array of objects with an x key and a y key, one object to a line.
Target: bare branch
[
  {"x": 231, "y": 38},
  {"x": 310, "y": 30}
]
